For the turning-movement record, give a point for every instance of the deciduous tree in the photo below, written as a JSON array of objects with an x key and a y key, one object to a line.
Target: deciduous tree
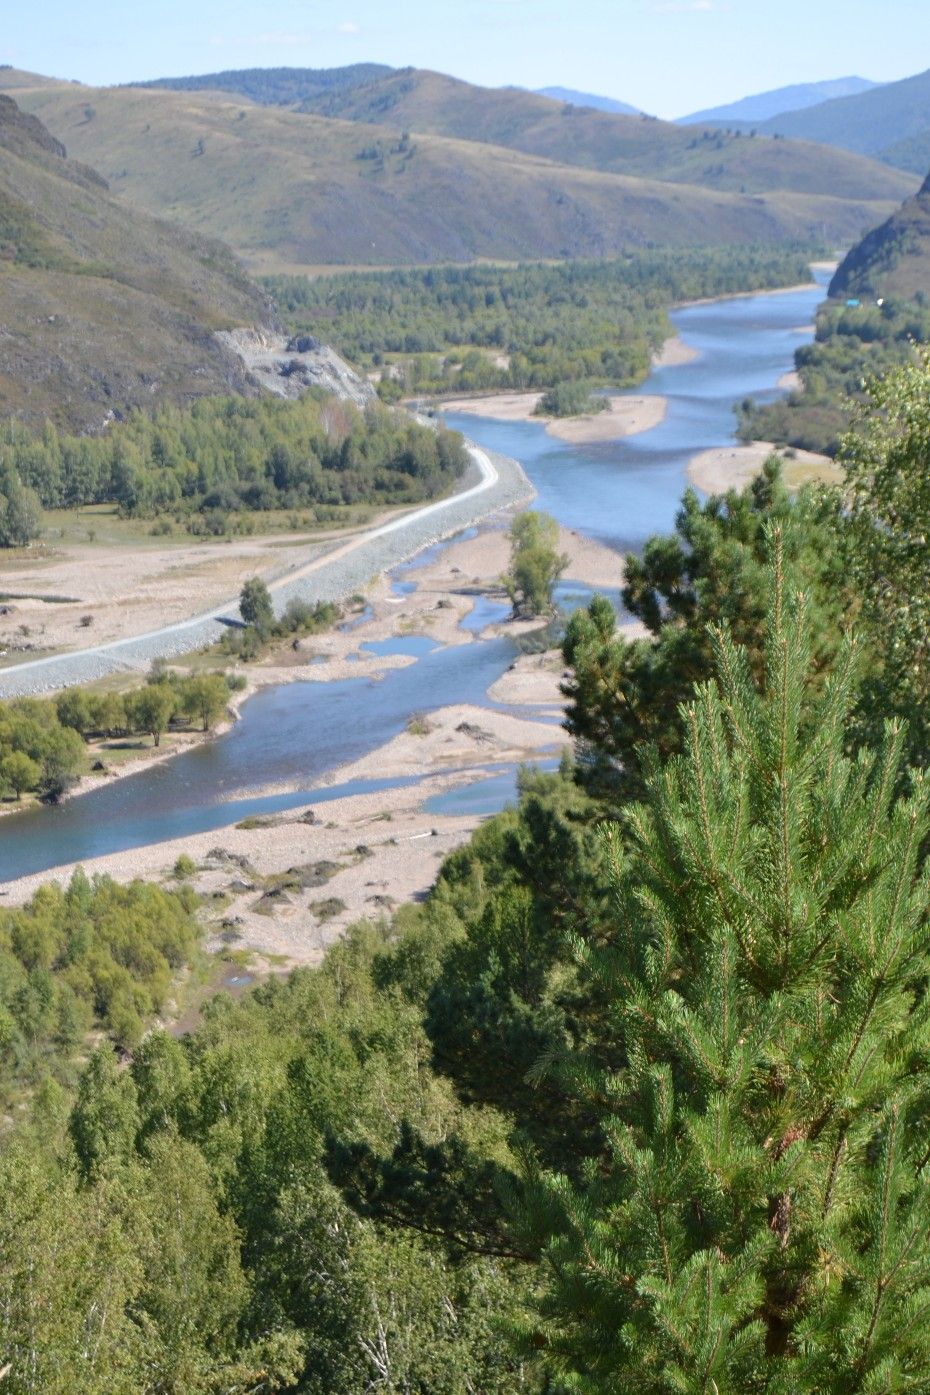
[
  {"x": 255, "y": 605},
  {"x": 535, "y": 563}
]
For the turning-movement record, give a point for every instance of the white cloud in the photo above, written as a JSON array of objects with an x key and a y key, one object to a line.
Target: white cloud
[{"x": 349, "y": 27}]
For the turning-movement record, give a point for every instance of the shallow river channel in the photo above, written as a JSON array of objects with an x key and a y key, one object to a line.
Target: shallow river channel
[{"x": 297, "y": 734}]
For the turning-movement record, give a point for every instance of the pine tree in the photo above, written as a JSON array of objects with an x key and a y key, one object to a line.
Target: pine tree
[
  {"x": 758, "y": 1217},
  {"x": 626, "y": 694}
]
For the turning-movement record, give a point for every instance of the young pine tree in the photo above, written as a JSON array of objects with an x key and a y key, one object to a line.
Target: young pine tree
[{"x": 759, "y": 1217}]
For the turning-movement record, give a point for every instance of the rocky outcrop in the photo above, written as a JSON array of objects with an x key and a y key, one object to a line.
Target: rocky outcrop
[{"x": 288, "y": 367}]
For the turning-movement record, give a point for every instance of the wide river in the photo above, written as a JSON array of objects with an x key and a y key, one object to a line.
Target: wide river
[{"x": 297, "y": 734}]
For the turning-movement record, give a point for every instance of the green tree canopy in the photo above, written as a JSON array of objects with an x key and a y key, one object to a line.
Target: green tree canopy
[
  {"x": 757, "y": 1217},
  {"x": 255, "y": 605},
  {"x": 20, "y": 510},
  {"x": 19, "y": 772},
  {"x": 886, "y": 455},
  {"x": 625, "y": 694},
  {"x": 535, "y": 563},
  {"x": 151, "y": 708}
]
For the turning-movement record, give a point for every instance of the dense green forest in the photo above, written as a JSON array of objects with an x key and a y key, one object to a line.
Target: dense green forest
[
  {"x": 92, "y": 955},
  {"x": 539, "y": 325},
  {"x": 221, "y": 456},
  {"x": 636, "y": 1101},
  {"x": 852, "y": 343}
]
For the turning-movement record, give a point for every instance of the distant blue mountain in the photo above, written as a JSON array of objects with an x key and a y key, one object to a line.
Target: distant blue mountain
[
  {"x": 764, "y": 105},
  {"x": 587, "y": 99}
]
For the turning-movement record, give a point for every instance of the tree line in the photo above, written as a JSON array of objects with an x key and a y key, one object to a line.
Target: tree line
[
  {"x": 528, "y": 326},
  {"x": 42, "y": 740},
  {"x": 221, "y": 456},
  {"x": 635, "y": 1101},
  {"x": 89, "y": 956}
]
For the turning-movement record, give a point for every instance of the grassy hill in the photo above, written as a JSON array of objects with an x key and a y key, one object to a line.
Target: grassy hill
[
  {"x": 292, "y": 191},
  {"x": 884, "y": 123},
  {"x": 763, "y": 105},
  {"x": 102, "y": 307},
  {"x": 427, "y": 102},
  {"x": 893, "y": 260}
]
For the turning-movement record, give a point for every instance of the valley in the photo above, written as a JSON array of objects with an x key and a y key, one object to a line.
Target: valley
[
  {"x": 608, "y": 497},
  {"x": 464, "y": 700}
]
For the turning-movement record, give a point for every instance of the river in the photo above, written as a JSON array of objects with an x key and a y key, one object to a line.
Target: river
[{"x": 297, "y": 734}]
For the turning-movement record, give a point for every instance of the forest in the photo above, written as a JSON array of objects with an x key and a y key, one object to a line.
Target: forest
[
  {"x": 467, "y": 328},
  {"x": 222, "y": 456},
  {"x": 635, "y": 1101}
]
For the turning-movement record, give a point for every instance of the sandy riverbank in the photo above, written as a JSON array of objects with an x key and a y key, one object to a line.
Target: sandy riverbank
[
  {"x": 674, "y": 352},
  {"x": 731, "y": 467},
  {"x": 446, "y": 592},
  {"x": 626, "y": 416},
  {"x": 458, "y": 745},
  {"x": 362, "y": 855}
]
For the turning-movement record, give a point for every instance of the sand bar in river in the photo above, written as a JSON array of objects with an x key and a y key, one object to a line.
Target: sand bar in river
[
  {"x": 731, "y": 467},
  {"x": 626, "y": 416}
]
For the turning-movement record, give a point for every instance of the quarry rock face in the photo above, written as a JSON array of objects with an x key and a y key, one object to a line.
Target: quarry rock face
[{"x": 288, "y": 367}]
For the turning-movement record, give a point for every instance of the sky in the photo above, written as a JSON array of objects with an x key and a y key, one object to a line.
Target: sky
[{"x": 668, "y": 57}]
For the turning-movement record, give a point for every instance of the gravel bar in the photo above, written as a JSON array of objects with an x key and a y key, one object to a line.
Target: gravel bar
[{"x": 492, "y": 482}]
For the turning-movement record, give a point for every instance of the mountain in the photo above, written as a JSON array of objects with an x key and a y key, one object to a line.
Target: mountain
[
  {"x": 103, "y": 308},
  {"x": 277, "y": 86},
  {"x": 587, "y": 99},
  {"x": 417, "y": 100},
  {"x": 891, "y": 123},
  {"x": 763, "y": 105},
  {"x": 892, "y": 260},
  {"x": 292, "y": 191}
]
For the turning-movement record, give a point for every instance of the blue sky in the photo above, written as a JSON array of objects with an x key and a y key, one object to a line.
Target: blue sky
[{"x": 666, "y": 56}]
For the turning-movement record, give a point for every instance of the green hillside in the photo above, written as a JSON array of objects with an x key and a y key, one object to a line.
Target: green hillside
[
  {"x": 892, "y": 260},
  {"x": 102, "y": 307},
  {"x": 613, "y": 143},
  {"x": 292, "y": 191},
  {"x": 883, "y": 122},
  {"x": 886, "y": 280}
]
